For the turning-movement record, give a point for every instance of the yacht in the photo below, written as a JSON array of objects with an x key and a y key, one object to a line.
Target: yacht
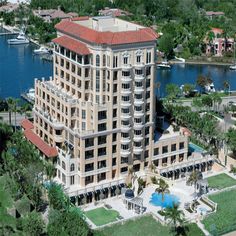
[
  {"x": 233, "y": 67},
  {"x": 181, "y": 60},
  {"x": 164, "y": 65},
  {"x": 20, "y": 39},
  {"x": 41, "y": 50},
  {"x": 31, "y": 94}
]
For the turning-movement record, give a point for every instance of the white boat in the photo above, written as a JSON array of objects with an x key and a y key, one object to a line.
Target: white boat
[
  {"x": 31, "y": 94},
  {"x": 233, "y": 67},
  {"x": 41, "y": 50},
  {"x": 20, "y": 39},
  {"x": 164, "y": 65},
  {"x": 210, "y": 88},
  {"x": 181, "y": 60}
]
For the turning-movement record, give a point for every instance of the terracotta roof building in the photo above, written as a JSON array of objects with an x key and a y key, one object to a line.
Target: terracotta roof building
[
  {"x": 212, "y": 14},
  {"x": 115, "y": 12},
  {"x": 99, "y": 108}
]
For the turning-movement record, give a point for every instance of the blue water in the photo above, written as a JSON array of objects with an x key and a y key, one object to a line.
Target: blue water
[
  {"x": 194, "y": 148},
  {"x": 19, "y": 67},
  {"x": 169, "y": 200},
  {"x": 182, "y": 74}
]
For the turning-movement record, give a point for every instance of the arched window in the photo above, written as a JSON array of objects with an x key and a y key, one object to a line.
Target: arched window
[
  {"x": 72, "y": 167},
  {"x": 104, "y": 60},
  {"x": 58, "y": 161},
  {"x": 97, "y": 60},
  {"x": 63, "y": 165}
]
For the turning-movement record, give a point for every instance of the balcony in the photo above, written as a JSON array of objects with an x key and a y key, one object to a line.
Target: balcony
[
  {"x": 138, "y": 126},
  {"x": 138, "y": 102},
  {"x": 124, "y": 152},
  {"x": 125, "y": 104},
  {"x": 139, "y": 78},
  {"x": 126, "y": 67},
  {"x": 138, "y": 114},
  {"x": 138, "y": 90},
  {"x": 138, "y": 138},
  {"x": 125, "y": 128},
  {"x": 126, "y": 79},
  {"x": 125, "y": 91},
  {"x": 139, "y": 65},
  {"x": 125, "y": 116},
  {"x": 125, "y": 141},
  {"x": 137, "y": 150}
]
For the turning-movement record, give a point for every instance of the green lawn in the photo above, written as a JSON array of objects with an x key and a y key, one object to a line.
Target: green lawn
[
  {"x": 221, "y": 181},
  {"x": 224, "y": 220},
  {"x": 102, "y": 216},
  {"x": 146, "y": 226}
]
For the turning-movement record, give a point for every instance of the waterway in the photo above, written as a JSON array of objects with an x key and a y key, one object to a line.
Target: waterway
[
  {"x": 185, "y": 73},
  {"x": 18, "y": 67}
]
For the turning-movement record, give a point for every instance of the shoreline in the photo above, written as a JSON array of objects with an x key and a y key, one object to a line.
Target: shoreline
[{"x": 192, "y": 62}]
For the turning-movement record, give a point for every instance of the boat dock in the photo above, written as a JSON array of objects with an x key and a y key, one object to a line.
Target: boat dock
[{"x": 8, "y": 33}]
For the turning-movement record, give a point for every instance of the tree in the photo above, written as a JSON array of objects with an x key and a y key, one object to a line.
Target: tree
[
  {"x": 33, "y": 224},
  {"x": 5, "y": 136},
  {"x": 226, "y": 85},
  {"x": 162, "y": 189},
  {"x": 203, "y": 81},
  {"x": 231, "y": 140},
  {"x": 175, "y": 216},
  {"x": 166, "y": 44},
  {"x": 57, "y": 199},
  {"x": 193, "y": 178},
  {"x": 67, "y": 223},
  {"x": 207, "y": 101},
  {"x": 172, "y": 91},
  {"x": 217, "y": 100},
  {"x": 197, "y": 103},
  {"x": 188, "y": 88}
]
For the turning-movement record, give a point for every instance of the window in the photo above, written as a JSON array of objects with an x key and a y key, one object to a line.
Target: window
[
  {"x": 83, "y": 114},
  {"x": 114, "y": 137},
  {"x": 173, "y": 147},
  {"x": 104, "y": 60},
  {"x": 72, "y": 167},
  {"x": 97, "y": 80},
  {"x": 102, "y": 151},
  {"x": 72, "y": 180},
  {"x": 125, "y": 60},
  {"x": 102, "y": 127},
  {"x": 113, "y": 161},
  {"x": 89, "y": 142},
  {"x": 124, "y": 169},
  {"x": 148, "y": 71},
  {"x": 97, "y": 60},
  {"x": 102, "y": 140},
  {"x": 63, "y": 178},
  {"x": 102, "y": 115},
  {"x": 113, "y": 148},
  {"x": 115, "y": 60},
  {"x": 63, "y": 165},
  {"x": 156, "y": 151},
  {"x": 138, "y": 59},
  {"x": 148, "y": 57},
  {"x": 165, "y": 149},
  {"x": 181, "y": 145},
  {"x": 89, "y": 154}
]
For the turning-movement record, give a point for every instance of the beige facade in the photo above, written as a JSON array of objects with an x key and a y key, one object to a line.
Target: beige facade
[{"x": 99, "y": 110}]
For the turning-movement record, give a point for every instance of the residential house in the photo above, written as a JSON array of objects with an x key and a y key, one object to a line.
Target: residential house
[{"x": 213, "y": 14}]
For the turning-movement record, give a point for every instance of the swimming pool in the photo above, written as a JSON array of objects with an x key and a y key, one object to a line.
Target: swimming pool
[
  {"x": 194, "y": 148},
  {"x": 169, "y": 200}
]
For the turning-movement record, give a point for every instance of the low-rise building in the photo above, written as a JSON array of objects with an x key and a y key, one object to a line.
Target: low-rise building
[
  {"x": 213, "y": 14},
  {"x": 115, "y": 12},
  {"x": 9, "y": 7}
]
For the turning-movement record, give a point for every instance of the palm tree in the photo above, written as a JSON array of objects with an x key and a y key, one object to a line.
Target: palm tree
[
  {"x": 49, "y": 170},
  {"x": 162, "y": 189},
  {"x": 175, "y": 216},
  {"x": 193, "y": 178},
  {"x": 226, "y": 85},
  {"x": 26, "y": 107},
  {"x": 5, "y": 135},
  {"x": 12, "y": 107}
]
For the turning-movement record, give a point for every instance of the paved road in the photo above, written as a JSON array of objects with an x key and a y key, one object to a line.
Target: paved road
[{"x": 5, "y": 118}]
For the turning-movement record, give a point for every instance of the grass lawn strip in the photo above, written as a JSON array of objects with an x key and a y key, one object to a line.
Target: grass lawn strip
[
  {"x": 221, "y": 181},
  {"x": 102, "y": 216},
  {"x": 224, "y": 220},
  {"x": 146, "y": 226}
]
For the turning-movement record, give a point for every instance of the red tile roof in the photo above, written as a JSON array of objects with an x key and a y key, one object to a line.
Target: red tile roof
[
  {"x": 26, "y": 124},
  {"x": 111, "y": 38},
  {"x": 211, "y": 13},
  {"x": 72, "y": 44},
  {"x": 80, "y": 18},
  {"x": 40, "y": 144}
]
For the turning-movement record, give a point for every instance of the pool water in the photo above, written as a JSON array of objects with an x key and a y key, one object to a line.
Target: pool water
[
  {"x": 195, "y": 148},
  {"x": 169, "y": 200}
]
